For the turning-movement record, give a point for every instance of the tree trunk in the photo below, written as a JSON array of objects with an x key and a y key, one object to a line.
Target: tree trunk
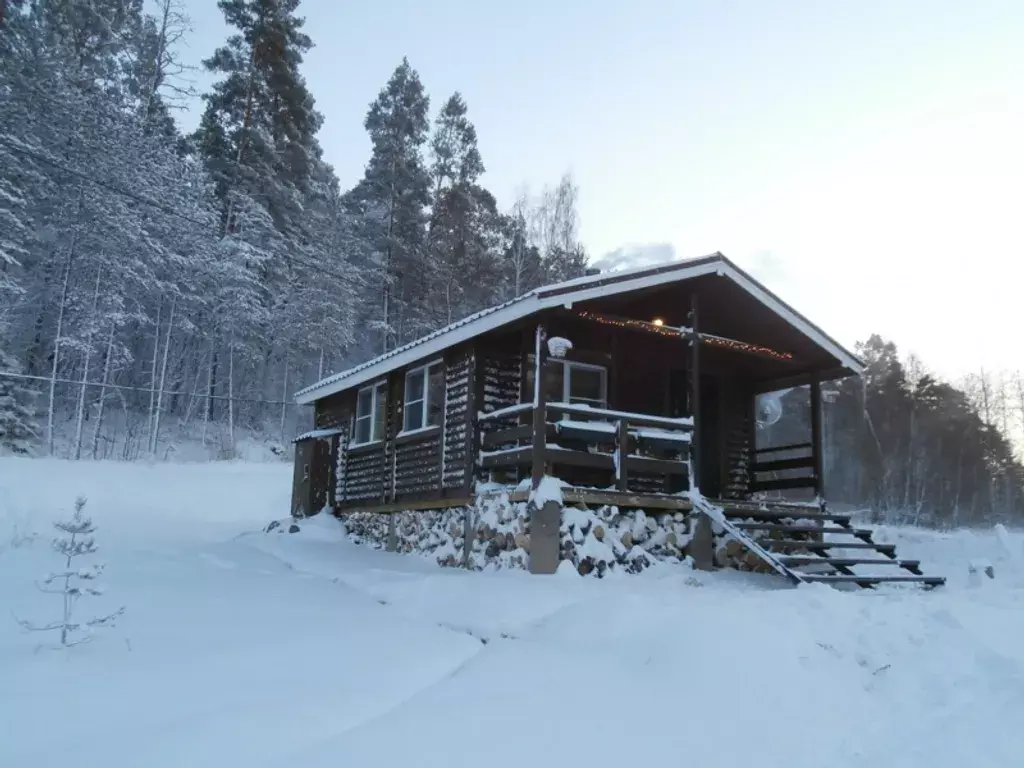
[
  {"x": 152, "y": 372},
  {"x": 60, "y": 327},
  {"x": 284, "y": 397},
  {"x": 208, "y": 410},
  {"x": 231, "y": 397},
  {"x": 163, "y": 379},
  {"x": 103, "y": 394},
  {"x": 80, "y": 417}
]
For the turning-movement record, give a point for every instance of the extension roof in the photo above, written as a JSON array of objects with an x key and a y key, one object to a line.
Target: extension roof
[{"x": 567, "y": 293}]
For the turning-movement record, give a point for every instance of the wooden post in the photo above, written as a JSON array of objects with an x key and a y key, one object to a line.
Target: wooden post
[
  {"x": 694, "y": 392},
  {"x": 621, "y": 452},
  {"x": 474, "y": 404},
  {"x": 613, "y": 370},
  {"x": 752, "y": 446},
  {"x": 539, "y": 408},
  {"x": 817, "y": 454}
]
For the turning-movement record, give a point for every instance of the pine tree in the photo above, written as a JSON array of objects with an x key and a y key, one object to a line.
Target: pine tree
[
  {"x": 392, "y": 197},
  {"x": 73, "y": 583},
  {"x": 258, "y": 132},
  {"x": 465, "y": 227}
]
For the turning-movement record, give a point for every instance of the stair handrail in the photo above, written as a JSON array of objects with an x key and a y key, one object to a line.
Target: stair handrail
[{"x": 716, "y": 514}]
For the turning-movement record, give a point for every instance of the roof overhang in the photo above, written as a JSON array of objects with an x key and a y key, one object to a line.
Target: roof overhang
[{"x": 567, "y": 294}]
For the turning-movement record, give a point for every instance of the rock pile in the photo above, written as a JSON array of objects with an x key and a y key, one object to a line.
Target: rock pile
[
  {"x": 502, "y": 534},
  {"x": 730, "y": 553},
  {"x": 499, "y": 533},
  {"x": 607, "y": 540},
  {"x": 367, "y": 528},
  {"x": 596, "y": 542}
]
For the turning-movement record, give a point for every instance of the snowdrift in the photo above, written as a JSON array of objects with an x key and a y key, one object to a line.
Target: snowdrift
[{"x": 241, "y": 647}]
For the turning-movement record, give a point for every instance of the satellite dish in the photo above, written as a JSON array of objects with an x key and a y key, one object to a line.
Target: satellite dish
[{"x": 769, "y": 408}]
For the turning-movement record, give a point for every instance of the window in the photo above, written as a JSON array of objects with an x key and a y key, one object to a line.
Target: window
[
  {"x": 586, "y": 385},
  {"x": 566, "y": 381},
  {"x": 371, "y": 411},
  {"x": 424, "y": 397}
]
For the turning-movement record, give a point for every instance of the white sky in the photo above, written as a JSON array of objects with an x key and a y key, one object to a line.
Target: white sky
[{"x": 864, "y": 159}]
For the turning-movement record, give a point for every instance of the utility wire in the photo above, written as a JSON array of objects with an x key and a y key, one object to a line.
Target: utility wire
[
  {"x": 141, "y": 199},
  {"x": 79, "y": 383}
]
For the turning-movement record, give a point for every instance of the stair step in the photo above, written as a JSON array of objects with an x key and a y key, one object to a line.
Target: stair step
[
  {"x": 775, "y": 514},
  {"x": 796, "y": 506},
  {"x": 843, "y": 578},
  {"x": 845, "y": 562},
  {"x": 801, "y": 528},
  {"x": 769, "y": 543}
]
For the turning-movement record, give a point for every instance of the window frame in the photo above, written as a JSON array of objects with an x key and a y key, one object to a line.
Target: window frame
[
  {"x": 376, "y": 400},
  {"x": 567, "y": 381},
  {"x": 424, "y": 372}
]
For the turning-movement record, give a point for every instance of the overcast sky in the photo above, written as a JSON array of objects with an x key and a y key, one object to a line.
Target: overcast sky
[{"x": 865, "y": 159}]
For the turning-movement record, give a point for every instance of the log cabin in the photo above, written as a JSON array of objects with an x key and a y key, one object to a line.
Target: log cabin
[{"x": 635, "y": 388}]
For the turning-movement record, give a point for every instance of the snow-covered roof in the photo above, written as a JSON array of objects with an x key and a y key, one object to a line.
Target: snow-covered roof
[
  {"x": 567, "y": 293},
  {"x": 318, "y": 434}
]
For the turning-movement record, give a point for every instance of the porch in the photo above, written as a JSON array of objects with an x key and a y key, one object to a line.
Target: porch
[{"x": 620, "y": 405}]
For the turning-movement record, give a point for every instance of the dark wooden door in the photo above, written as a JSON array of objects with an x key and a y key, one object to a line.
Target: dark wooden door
[
  {"x": 678, "y": 393},
  {"x": 320, "y": 475},
  {"x": 301, "y": 478}
]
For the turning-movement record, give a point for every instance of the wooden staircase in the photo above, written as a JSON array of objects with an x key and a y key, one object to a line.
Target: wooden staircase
[{"x": 792, "y": 542}]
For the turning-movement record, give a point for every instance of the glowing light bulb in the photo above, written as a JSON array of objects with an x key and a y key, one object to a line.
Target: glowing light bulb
[{"x": 658, "y": 321}]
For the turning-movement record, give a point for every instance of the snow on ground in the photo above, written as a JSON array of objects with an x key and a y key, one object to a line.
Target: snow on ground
[{"x": 265, "y": 650}]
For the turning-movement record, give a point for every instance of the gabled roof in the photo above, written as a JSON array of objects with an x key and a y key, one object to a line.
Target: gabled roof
[{"x": 566, "y": 293}]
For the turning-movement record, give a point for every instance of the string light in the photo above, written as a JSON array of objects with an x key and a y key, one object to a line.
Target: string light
[
  {"x": 682, "y": 332},
  {"x": 743, "y": 346},
  {"x": 640, "y": 325}
]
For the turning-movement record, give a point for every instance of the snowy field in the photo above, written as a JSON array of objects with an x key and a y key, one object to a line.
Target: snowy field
[{"x": 273, "y": 650}]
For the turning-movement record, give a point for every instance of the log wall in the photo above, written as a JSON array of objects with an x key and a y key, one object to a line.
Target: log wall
[{"x": 457, "y": 442}]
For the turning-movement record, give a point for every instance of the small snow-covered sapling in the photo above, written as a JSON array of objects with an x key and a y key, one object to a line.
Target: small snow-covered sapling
[{"x": 75, "y": 541}]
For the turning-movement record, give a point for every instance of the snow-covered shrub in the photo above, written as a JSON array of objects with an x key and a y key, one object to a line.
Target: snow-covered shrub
[{"x": 74, "y": 582}]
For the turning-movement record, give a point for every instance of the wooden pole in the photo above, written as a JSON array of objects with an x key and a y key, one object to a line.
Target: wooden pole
[
  {"x": 694, "y": 392},
  {"x": 539, "y": 408},
  {"x": 817, "y": 454},
  {"x": 621, "y": 452}
]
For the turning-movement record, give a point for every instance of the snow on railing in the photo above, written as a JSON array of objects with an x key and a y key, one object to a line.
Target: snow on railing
[{"x": 646, "y": 419}]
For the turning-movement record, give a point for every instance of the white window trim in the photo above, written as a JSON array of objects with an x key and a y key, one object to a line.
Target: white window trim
[
  {"x": 577, "y": 364},
  {"x": 424, "y": 371},
  {"x": 566, "y": 380},
  {"x": 375, "y": 401}
]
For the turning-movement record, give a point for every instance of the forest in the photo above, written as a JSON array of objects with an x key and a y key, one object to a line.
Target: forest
[{"x": 161, "y": 288}]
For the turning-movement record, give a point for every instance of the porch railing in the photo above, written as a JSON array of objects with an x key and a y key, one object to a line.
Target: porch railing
[
  {"x": 784, "y": 468},
  {"x": 638, "y": 452}
]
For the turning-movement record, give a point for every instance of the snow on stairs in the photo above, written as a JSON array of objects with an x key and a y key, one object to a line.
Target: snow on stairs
[{"x": 795, "y": 543}]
